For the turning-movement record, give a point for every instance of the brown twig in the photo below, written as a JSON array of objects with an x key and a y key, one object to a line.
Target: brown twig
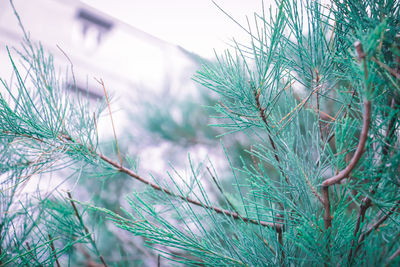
[
  {"x": 53, "y": 250},
  {"x": 265, "y": 243},
  {"x": 234, "y": 215},
  {"x": 318, "y": 111},
  {"x": 356, "y": 157},
  {"x": 89, "y": 261},
  {"x": 313, "y": 190},
  {"x": 264, "y": 119},
  {"x": 376, "y": 225},
  {"x": 327, "y": 207},
  {"x": 366, "y": 201},
  {"x": 280, "y": 240},
  {"x": 380, "y": 221},
  {"x": 327, "y": 220},
  {"x": 390, "y": 130},
  {"x": 29, "y": 250},
  {"x": 365, "y": 204},
  {"x": 298, "y": 107},
  {"x": 359, "y": 151},
  {"x": 393, "y": 256},
  {"x": 364, "y": 132},
  {"x": 86, "y": 230},
  {"x": 112, "y": 121},
  {"x": 254, "y": 160},
  {"x": 70, "y": 62},
  {"x": 222, "y": 191},
  {"x": 235, "y": 113},
  {"x": 386, "y": 67},
  {"x": 324, "y": 116}
]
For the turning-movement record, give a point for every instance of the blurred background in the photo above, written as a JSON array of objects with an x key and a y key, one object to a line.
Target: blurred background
[{"x": 146, "y": 52}]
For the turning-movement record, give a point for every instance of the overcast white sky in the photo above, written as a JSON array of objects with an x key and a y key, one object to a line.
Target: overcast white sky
[{"x": 197, "y": 25}]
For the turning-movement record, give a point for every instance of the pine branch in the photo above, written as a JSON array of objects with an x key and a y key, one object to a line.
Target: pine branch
[
  {"x": 264, "y": 119},
  {"x": 364, "y": 132},
  {"x": 318, "y": 111},
  {"x": 386, "y": 67},
  {"x": 327, "y": 207},
  {"x": 303, "y": 40},
  {"x": 366, "y": 201},
  {"x": 393, "y": 257},
  {"x": 356, "y": 157},
  {"x": 222, "y": 192},
  {"x": 375, "y": 226},
  {"x": 54, "y": 251},
  {"x": 112, "y": 121},
  {"x": 234, "y": 215},
  {"x": 86, "y": 230}
]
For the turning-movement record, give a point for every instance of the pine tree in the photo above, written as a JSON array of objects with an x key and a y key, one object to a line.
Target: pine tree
[{"x": 315, "y": 94}]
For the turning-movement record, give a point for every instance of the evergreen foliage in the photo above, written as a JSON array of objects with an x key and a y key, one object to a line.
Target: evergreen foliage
[{"x": 316, "y": 95}]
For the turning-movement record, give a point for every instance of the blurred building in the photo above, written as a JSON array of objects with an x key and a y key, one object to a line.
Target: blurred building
[
  {"x": 128, "y": 60},
  {"x": 135, "y": 67}
]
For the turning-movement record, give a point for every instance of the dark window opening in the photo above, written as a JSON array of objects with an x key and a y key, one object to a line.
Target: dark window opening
[
  {"x": 91, "y": 19},
  {"x": 84, "y": 91},
  {"x": 93, "y": 26}
]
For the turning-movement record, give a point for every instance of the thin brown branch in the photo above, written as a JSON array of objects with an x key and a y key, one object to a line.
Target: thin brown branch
[
  {"x": 324, "y": 116},
  {"x": 29, "y": 251},
  {"x": 318, "y": 111},
  {"x": 302, "y": 104},
  {"x": 265, "y": 243},
  {"x": 27, "y": 245},
  {"x": 234, "y": 215},
  {"x": 70, "y": 62},
  {"x": 264, "y": 119},
  {"x": 89, "y": 261},
  {"x": 366, "y": 201},
  {"x": 356, "y": 157},
  {"x": 53, "y": 250},
  {"x": 259, "y": 107},
  {"x": 327, "y": 207},
  {"x": 365, "y": 204},
  {"x": 280, "y": 240},
  {"x": 112, "y": 121},
  {"x": 386, "y": 67},
  {"x": 235, "y": 113},
  {"x": 379, "y": 222},
  {"x": 390, "y": 130},
  {"x": 313, "y": 190},
  {"x": 77, "y": 213},
  {"x": 222, "y": 191},
  {"x": 393, "y": 256},
  {"x": 364, "y": 132},
  {"x": 327, "y": 220},
  {"x": 376, "y": 225},
  {"x": 254, "y": 160},
  {"x": 86, "y": 230},
  {"x": 359, "y": 151}
]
